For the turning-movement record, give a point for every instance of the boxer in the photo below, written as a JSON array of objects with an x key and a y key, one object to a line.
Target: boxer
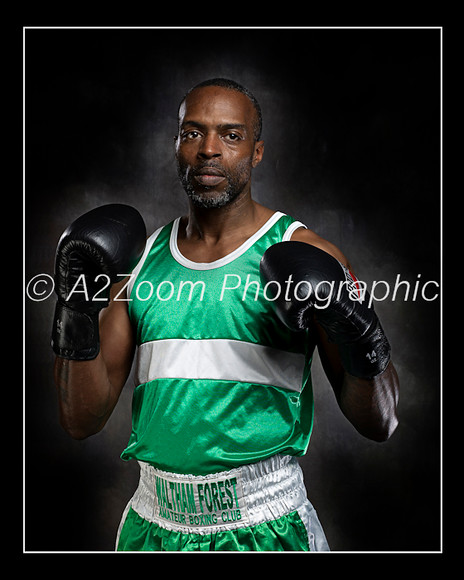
[{"x": 223, "y": 403}]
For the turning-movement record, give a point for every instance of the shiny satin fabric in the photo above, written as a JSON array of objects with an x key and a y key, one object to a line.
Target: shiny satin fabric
[
  {"x": 220, "y": 381},
  {"x": 259, "y": 507},
  {"x": 288, "y": 533}
]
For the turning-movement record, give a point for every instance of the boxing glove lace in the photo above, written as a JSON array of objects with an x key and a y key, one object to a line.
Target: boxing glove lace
[
  {"x": 92, "y": 254},
  {"x": 310, "y": 282}
]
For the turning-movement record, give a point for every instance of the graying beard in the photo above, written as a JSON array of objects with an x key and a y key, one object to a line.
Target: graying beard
[{"x": 211, "y": 202}]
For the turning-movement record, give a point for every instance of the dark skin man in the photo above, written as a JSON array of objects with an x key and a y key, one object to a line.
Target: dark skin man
[{"x": 216, "y": 151}]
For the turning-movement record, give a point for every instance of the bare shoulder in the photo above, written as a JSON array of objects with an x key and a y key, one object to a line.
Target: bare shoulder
[{"x": 310, "y": 237}]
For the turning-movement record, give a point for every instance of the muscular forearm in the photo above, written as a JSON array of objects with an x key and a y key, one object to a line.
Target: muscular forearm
[
  {"x": 370, "y": 405},
  {"x": 85, "y": 394}
]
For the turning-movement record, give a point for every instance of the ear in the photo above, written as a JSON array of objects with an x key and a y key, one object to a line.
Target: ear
[{"x": 258, "y": 153}]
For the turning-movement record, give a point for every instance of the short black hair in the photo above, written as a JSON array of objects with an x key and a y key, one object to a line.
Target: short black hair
[{"x": 233, "y": 86}]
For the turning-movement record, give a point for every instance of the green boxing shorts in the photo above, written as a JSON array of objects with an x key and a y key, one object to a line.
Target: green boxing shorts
[{"x": 257, "y": 507}]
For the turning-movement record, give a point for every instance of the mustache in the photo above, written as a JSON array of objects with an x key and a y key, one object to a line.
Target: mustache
[{"x": 209, "y": 169}]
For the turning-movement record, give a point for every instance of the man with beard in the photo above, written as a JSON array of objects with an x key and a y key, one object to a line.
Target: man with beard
[{"x": 225, "y": 306}]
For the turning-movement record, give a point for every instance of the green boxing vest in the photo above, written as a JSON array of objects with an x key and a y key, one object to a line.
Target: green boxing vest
[{"x": 220, "y": 381}]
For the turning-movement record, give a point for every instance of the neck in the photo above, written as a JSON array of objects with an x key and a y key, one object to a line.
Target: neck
[{"x": 216, "y": 223}]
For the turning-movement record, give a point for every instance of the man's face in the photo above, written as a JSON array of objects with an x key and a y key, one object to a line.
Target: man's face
[{"x": 216, "y": 148}]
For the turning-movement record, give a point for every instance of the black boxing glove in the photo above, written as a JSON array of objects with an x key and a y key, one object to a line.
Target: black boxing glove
[
  {"x": 97, "y": 247},
  {"x": 309, "y": 281}
]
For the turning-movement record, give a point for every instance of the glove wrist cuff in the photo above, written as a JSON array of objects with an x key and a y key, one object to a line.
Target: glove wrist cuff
[
  {"x": 367, "y": 357},
  {"x": 75, "y": 335}
]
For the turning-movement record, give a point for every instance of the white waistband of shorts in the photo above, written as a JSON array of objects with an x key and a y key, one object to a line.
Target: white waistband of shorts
[{"x": 245, "y": 496}]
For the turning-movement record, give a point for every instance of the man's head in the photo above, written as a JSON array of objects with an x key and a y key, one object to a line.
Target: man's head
[{"x": 218, "y": 142}]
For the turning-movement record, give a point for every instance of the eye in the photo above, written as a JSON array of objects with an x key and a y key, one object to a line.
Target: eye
[
  {"x": 233, "y": 137},
  {"x": 190, "y": 135}
]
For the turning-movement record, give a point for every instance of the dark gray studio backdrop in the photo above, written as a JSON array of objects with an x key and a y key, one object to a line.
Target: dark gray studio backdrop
[{"x": 352, "y": 136}]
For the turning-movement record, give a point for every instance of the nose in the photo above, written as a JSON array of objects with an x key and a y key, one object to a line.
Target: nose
[{"x": 210, "y": 146}]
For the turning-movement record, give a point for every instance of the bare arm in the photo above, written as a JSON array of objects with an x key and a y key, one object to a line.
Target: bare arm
[
  {"x": 89, "y": 390},
  {"x": 369, "y": 405}
]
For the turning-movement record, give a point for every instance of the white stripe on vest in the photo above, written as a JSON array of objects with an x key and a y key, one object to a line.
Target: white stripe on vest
[{"x": 219, "y": 359}]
